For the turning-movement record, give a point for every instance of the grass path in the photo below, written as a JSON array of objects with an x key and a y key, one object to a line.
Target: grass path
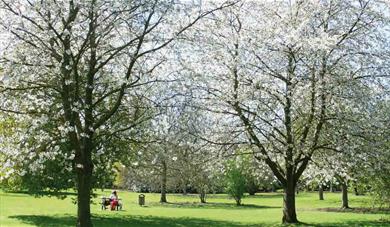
[{"x": 264, "y": 209}]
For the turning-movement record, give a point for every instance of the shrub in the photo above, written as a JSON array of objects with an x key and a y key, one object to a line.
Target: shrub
[{"x": 235, "y": 182}]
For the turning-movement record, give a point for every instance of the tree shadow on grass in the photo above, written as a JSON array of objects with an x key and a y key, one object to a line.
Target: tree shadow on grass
[
  {"x": 211, "y": 205},
  {"x": 224, "y": 196},
  {"x": 266, "y": 195},
  {"x": 119, "y": 221},
  {"x": 152, "y": 221},
  {"x": 359, "y": 210},
  {"x": 378, "y": 223},
  {"x": 41, "y": 193}
]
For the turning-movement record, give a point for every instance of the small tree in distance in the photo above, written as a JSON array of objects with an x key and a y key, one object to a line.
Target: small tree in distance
[{"x": 235, "y": 181}]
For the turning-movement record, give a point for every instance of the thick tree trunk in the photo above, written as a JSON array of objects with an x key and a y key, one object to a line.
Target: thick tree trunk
[
  {"x": 84, "y": 180},
  {"x": 163, "y": 198},
  {"x": 290, "y": 184},
  {"x": 321, "y": 191},
  {"x": 238, "y": 201},
  {"x": 344, "y": 189},
  {"x": 289, "y": 211},
  {"x": 83, "y": 199}
]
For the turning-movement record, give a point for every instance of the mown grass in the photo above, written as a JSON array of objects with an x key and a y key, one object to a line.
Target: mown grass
[{"x": 264, "y": 209}]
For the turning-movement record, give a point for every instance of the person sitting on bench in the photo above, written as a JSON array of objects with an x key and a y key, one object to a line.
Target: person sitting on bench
[{"x": 113, "y": 200}]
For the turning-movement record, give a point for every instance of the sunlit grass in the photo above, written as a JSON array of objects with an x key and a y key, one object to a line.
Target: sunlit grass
[{"x": 264, "y": 209}]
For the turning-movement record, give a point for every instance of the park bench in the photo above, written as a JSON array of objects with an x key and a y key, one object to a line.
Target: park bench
[{"x": 106, "y": 202}]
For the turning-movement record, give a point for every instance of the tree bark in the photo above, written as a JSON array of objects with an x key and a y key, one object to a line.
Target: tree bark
[
  {"x": 83, "y": 199},
  {"x": 289, "y": 211},
  {"x": 321, "y": 192},
  {"x": 163, "y": 198},
  {"x": 84, "y": 169},
  {"x": 290, "y": 184},
  {"x": 344, "y": 189},
  {"x": 238, "y": 201}
]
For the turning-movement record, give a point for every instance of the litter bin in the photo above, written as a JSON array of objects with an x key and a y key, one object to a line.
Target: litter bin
[{"x": 141, "y": 200}]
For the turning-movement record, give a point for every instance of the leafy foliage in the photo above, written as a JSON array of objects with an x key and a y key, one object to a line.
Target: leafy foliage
[{"x": 235, "y": 181}]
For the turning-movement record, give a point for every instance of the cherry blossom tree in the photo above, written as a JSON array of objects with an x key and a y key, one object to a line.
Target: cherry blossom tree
[
  {"x": 70, "y": 70},
  {"x": 273, "y": 70}
]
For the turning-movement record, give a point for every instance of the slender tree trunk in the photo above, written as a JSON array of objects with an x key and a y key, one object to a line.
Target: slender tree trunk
[
  {"x": 344, "y": 189},
  {"x": 184, "y": 189},
  {"x": 331, "y": 188},
  {"x": 164, "y": 183},
  {"x": 289, "y": 211},
  {"x": 321, "y": 191},
  {"x": 252, "y": 187},
  {"x": 356, "y": 190},
  {"x": 202, "y": 197},
  {"x": 307, "y": 188}
]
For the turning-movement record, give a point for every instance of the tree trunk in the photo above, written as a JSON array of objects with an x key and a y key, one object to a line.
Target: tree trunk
[
  {"x": 84, "y": 175},
  {"x": 164, "y": 183},
  {"x": 356, "y": 190},
  {"x": 83, "y": 199},
  {"x": 202, "y": 197},
  {"x": 184, "y": 184},
  {"x": 238, "y": 201},
  {"x": 184, "y": 190},
  {"x": 289, "y": 212},
  {"x": 321, "y": 191},
  {"x": 344, "y": 189},
  {"x": 290, "y": 184},
  {"x": 331, "y": 188},
  {"x": 252, "y": 187}
]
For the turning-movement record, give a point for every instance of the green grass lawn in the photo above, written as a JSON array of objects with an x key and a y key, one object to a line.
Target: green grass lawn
[{"x": 264, "y": 209}]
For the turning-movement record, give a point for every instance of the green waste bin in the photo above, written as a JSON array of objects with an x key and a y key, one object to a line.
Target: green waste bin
[{"x": 141, "y": 200}]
